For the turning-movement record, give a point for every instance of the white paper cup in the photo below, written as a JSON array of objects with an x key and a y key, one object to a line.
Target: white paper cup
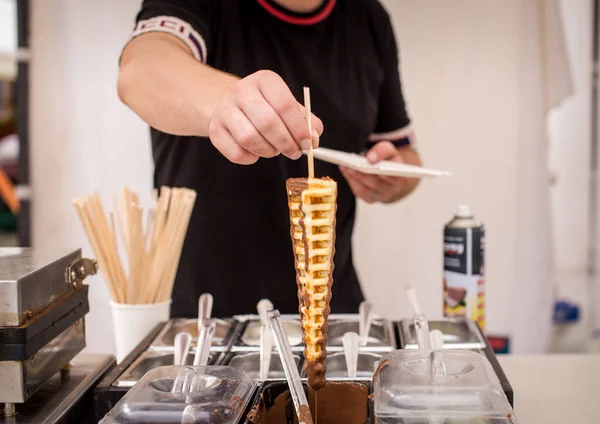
[{"x": 132, "y": 323}]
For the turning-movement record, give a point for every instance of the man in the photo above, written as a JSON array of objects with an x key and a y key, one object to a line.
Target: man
[{"x": 219, "y": 83}]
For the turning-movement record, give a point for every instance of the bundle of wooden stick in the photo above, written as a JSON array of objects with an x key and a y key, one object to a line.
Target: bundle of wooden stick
[{"x": 152, "y": 253}]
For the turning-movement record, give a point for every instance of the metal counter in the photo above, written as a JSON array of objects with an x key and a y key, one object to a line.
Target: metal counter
[{"x": 65, "y": 399}]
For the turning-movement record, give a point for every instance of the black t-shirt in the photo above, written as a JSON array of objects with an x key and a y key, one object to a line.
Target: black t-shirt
[{"x": 238, "y": 244}]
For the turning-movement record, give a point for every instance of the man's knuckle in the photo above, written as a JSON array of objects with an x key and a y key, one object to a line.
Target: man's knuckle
[
  {"x": 269, "y": 123},
  {"x": 286, "y": 105},
  {"x": 265, "y": 74},
  {"x": 239, "y": 90},
  {"x": 247, "y": 139}
]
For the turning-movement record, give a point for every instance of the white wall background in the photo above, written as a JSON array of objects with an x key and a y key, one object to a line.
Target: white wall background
[
  {"x": 460, "y": 69},
  {"x": 570, "y": 130},
  {"x": 83, "y": 139}
]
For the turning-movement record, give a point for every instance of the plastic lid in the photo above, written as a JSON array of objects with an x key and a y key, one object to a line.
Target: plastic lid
[
  {"x": 429, "y": 386},
  {"x": 464, "y": 211},
  {"x": 219, "y": 396}
]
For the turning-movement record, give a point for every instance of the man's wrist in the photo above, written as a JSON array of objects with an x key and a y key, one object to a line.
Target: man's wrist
[{"x": 208, "y": 103}]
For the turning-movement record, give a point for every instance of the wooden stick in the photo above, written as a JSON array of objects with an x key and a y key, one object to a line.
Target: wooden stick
[
  {"x": 114, "y": 252},
  {"x": 168, "y": 242},
  {"x": 92, "y": 213},
  {"x": 133, "y": 266},
  {"x": 158, "y": 256},
  {"x": 146, "y": 260},
  {"x": 188, "y": 199},
  {"x": 96, "y": 248},
  {"x": 94, "y": 206},
  {"x": 175, "y": 245},
  {"x": 311, "y": 160},
  {"x": 100, "y": 249},
  {"x": 158, "y": 239},
  {"x": 141, "y": 254}
]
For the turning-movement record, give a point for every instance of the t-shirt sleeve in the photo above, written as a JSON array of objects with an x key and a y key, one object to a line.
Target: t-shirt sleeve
[
  {"x": 192, "y": 21},
  {"x": 393, "y": 123}
]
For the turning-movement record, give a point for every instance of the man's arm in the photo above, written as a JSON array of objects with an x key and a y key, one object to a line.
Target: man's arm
[
  {"x": 161, "y": 81},
  {"x": 247, "y": 118}
]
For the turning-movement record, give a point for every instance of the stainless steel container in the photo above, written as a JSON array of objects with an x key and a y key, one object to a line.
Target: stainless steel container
[
  {"x": 459, "y": 333},
  {"x": 224, "y": 332},
  {"x": 337, "y": 369},
  {"x": 249, "y": 340},
  {"x": 250, "y": 363},
  {"x": 149, "y": 360},
  {"x": 381, "y": 334}
]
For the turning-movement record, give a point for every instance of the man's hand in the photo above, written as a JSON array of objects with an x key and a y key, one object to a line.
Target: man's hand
[
  {"x": 384, "y": 189},
  {"x": 259, "y": 117}
]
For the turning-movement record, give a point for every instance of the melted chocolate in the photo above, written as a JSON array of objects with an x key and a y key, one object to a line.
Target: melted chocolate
[{"x": 338, "y": 403}]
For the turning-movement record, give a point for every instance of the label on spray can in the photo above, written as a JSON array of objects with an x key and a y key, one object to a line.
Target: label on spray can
[{"x": 464, "y": 283}]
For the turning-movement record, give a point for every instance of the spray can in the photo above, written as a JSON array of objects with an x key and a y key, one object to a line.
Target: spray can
[{"x": 464, "y": 282}]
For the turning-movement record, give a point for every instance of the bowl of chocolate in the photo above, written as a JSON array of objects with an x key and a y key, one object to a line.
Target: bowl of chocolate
[{"x": 336, "y": 403}]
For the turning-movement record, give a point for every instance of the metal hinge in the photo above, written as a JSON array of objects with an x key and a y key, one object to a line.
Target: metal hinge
[{"x": 80, "y": 269}]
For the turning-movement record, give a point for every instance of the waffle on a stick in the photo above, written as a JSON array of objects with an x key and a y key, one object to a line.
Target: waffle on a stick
[{"x": 312, "y": 204}]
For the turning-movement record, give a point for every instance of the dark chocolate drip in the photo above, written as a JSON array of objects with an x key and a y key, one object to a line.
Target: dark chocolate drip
[
  {"x": 338, "y": 403},
  {"x": 316, "y": 407},
  {"x": 297, "y": 185}
]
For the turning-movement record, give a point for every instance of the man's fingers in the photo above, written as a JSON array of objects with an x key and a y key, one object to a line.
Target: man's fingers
[
  {"x": 359, "y": 189},
  {"x": 229, "y": 147},
  {"x": 384, "y": 150},
  {"x": 395, "y": 181},
  {"x": 373, "y": 182},
  {"x": 268, "y": 123},
  {"x": 248, "y": 136},
  {"x": 281, "y": 99}
]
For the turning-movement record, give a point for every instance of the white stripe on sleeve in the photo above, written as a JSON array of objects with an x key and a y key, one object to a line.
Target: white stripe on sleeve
[
  {"x": 177, "y": 27},
  {"x": 393, "y": 135}
]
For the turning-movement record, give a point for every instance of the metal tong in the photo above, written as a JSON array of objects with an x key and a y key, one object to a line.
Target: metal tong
[
  {"x": 266, "y": 338},
  {"x": 205, "y": 336},
  {"x": 289, "y": 366}
]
